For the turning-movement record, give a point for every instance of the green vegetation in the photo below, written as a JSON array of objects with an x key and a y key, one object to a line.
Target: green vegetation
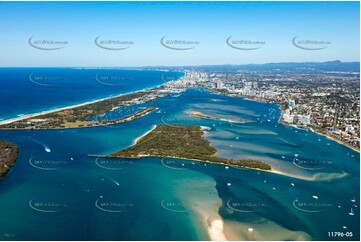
[
  {"x": 8, "y": 155},
  {"x": 182, "y": 142},
  {"x": 79, "y": 116}
]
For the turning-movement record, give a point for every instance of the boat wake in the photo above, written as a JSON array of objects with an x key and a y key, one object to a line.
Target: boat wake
[{"x": 45, "y": 147}]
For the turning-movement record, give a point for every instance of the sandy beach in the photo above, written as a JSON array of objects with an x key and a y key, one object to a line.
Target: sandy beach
[
  {"x": 136, "y": 140},
  {"x": 315, "y": 177},
  {"x": 202, "y": 115},
  {"x": 27, "y": 116}
]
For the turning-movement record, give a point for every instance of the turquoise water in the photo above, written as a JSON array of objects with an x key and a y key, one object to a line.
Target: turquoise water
[{"x": 56, "y": 192}]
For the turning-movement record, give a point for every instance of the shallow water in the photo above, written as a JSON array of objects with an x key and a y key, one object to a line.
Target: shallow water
[{"x": 64, "y": 194}]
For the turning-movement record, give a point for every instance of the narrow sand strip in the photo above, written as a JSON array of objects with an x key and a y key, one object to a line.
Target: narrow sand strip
[
  {"x": 26, "y": 116},
  {"x": 137, "y": 139}
]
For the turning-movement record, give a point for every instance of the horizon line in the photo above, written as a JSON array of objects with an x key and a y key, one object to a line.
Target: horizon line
[{"x": 199, "y": 65}]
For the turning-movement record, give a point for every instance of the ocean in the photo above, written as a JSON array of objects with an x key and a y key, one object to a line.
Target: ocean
[
  {"x": 56, "y": 191},
  {"x": 32, "y": 90}
]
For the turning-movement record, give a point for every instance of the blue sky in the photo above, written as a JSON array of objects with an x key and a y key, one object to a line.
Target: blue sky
[{"x": 145, "y": 23}]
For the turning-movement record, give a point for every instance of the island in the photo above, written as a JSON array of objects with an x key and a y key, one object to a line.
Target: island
[
  {"x": 8, "y": 155},
  {"x": 204, "y": 116},
  {"x": 184, "y": 142}
]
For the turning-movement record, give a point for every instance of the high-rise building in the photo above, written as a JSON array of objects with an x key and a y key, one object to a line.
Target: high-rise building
[
  {"x": 219, "y": 85},
  {"x": 248, "y": 85},
  {"x": 291, "y": 104},
  {"x": 255, "y": 85}
]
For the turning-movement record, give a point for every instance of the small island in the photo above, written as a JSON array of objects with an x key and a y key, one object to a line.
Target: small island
[
  {"x": 8, "y": 155},
  {"x": 180, "y": 141},
  {"x": 204, "y": 116}
]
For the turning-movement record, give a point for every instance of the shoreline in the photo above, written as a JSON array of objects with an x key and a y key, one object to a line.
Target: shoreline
[
  {"x": 32, "y": 115},
  {"x": 208, "y": 162},
  {"x": 210, "y": 157},
  {"x": 293, "y": 125},
  {"x": 137, "y": 139},
  {"x": 9, "y": 153},
  {"x": 196, "y": 114},
  {"x": 273, "y": 171},
  {"x": 336, "y": 140},
  {"x": 312, "y": 130},
  {"x": 319, "y": 133},
  {"x": 122, "y": 120}
]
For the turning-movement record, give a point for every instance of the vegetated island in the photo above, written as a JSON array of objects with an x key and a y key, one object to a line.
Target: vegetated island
[
  {"x": 8, "y": 155},
  {"x": 184, "y": 142},
  {"x": 80, "y": 116}
]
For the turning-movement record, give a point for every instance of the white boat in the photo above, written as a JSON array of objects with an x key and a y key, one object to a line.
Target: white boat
[
  {"x": 351, "y": 213},
  {"x": 315, "y": 197},
  {"x": 353, "y": 200}
]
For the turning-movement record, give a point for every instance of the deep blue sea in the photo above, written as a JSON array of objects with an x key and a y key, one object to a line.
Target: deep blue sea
[
  {"x": 31, "y": 90},
  {"x": 56, "y": 191}
]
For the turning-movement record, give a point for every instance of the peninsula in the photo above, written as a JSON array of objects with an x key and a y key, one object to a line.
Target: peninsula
[
  {"x": 180, "y": 141},
  {"x": 8, "y": 155},
  {"x": 80, "y": 116}
]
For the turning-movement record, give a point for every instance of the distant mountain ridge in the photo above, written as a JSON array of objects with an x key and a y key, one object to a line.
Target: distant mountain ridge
[{"x": 335, "y": 65}]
